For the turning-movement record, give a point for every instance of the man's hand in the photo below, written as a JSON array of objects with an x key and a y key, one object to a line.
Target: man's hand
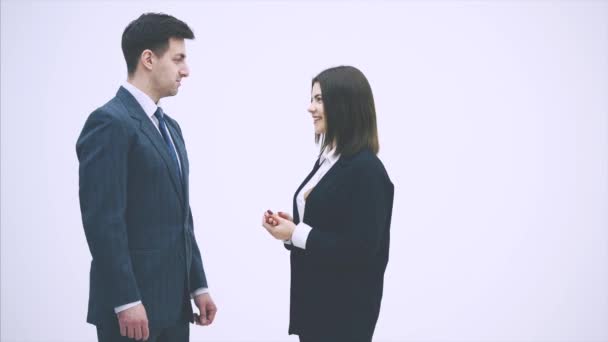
[
  {"x": 206, "y": 307},
  {"x": 133, "y": 323}
]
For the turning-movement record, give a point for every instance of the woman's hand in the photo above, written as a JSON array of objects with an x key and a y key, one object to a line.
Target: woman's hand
[
  {"x": 285, "y": 216},
  {"x": 280, "y": 226},
  {"x": 269, "y": 217}
]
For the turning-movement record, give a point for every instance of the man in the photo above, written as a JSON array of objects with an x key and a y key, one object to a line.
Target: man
[{"x": 134, "y": 197}]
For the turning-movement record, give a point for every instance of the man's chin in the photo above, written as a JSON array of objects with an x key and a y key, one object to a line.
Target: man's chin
[{"x": 171, "y": 93}]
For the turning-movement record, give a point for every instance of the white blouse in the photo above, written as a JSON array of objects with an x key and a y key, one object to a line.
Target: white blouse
[{"x": 300, "y": 234}]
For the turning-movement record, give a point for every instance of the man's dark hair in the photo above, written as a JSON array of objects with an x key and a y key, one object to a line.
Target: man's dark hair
[
  {"x": 151, "y": 31},
  {"x": 350, "y": 113}
]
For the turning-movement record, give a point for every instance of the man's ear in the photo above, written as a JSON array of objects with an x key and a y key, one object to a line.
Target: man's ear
[{"x": 147, "y": 59}]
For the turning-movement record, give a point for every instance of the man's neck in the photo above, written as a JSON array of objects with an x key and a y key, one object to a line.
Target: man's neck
[{"x": 144, "y": 85}]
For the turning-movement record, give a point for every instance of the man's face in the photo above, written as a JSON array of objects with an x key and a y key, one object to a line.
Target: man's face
[{"x": 170, "y": 68}]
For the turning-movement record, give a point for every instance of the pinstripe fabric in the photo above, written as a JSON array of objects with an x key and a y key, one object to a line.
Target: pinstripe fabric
[{"x": 136, "y": 215}]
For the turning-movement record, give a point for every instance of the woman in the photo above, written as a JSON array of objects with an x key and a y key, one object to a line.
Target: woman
[{"x": 339, "y": 234}]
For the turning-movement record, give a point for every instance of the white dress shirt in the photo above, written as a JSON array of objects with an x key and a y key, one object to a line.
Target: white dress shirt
[
  {"x": 300, "y": 234},
  {"x": 149, "y": 108}
]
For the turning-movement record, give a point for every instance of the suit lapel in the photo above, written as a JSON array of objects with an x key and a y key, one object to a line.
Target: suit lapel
[
  {"x": 329, "y": 175},
  {"x": 332, "y": 173},
  {"x": 181, "y": 154},
  {"x": 153, "y": 134},
  {"x": 296, "y": 214}
]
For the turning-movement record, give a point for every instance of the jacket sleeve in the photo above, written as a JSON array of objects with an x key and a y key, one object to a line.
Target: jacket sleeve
[
  {"x": 288, "y": 247},
  {"x": 366, "y": 226},
  {"x": 197, "y": 271},
  {"x": 102, "y": 150}
]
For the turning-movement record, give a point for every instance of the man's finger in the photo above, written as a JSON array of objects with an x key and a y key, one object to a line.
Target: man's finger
[
  {"x": 123, "y": 329},
  {"x": 203, "y": 317},
  {"x": 130, "y": 331},
  {"x": 211, "y": 314},
  {"x": 138, "y": 333},
  {"x": 146, "y": 332}
]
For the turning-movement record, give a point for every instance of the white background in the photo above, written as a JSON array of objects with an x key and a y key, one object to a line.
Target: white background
[{"x": 493, "y": 121}]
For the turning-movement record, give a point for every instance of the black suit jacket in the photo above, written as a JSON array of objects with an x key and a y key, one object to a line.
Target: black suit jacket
[
  {"x": 136, "y": 215},
  {"x": 337, "y": 281}
]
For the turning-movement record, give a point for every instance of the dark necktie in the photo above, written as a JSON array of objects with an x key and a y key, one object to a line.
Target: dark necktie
[{"x": 165, "y": 133}]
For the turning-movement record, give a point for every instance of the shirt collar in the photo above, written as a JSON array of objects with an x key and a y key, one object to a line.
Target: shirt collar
[
  {"x": 329, "y": 156},
  {"x": 146, "y": 103}
]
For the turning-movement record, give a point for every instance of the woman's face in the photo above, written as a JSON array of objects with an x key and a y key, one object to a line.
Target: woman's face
[{"x": 316, "y": 109}]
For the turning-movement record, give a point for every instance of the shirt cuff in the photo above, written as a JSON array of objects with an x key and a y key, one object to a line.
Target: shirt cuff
[
  {"x": 126, "y": 306},
  {"x": 199, "y": 291},
  {"x": 300, "y": 235}
]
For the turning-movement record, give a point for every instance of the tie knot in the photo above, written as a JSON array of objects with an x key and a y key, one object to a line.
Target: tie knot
[{"x": 159, "y": 113}]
